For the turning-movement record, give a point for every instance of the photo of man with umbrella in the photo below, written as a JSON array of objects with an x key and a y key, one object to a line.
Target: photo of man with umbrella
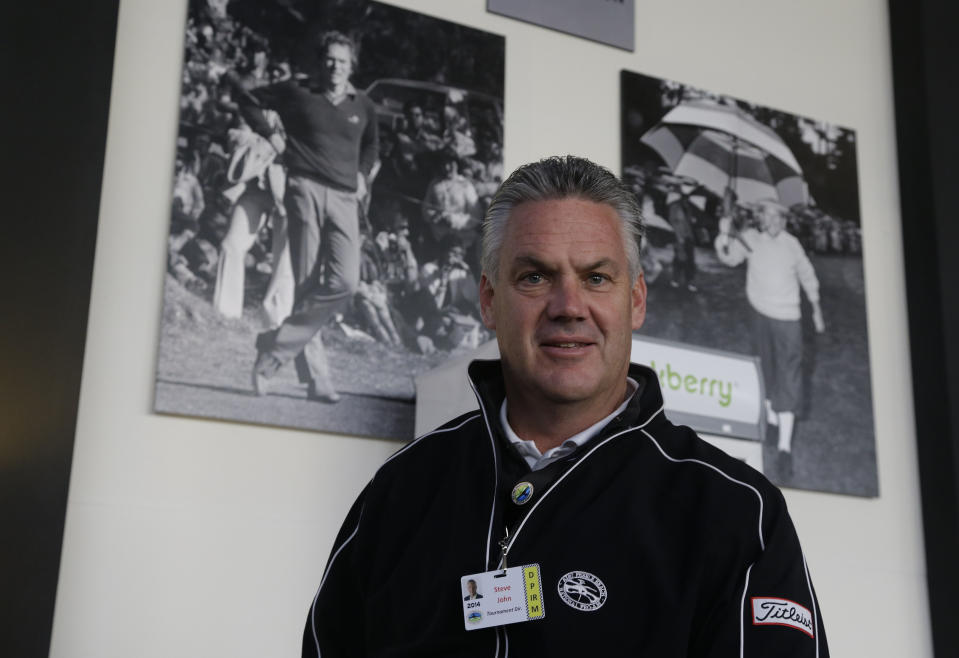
[
  {"x": 738, "y": 194},
  {"x": 777, "y": 267}
]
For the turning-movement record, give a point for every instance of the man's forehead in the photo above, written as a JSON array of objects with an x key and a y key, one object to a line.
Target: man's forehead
[
  {"x": 339, "y": 51},
  {"x": 570, "y": 220},
  {"x": 580, "y": 261},
  {"x": 583, "y": 234},
  {"x": 773, "y": 208}
]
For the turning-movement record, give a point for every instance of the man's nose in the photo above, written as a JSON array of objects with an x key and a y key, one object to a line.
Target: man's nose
[{"x": 567, "y": 301}]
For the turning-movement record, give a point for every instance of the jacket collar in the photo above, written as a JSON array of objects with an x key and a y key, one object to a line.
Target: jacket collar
[{"x": 487, "y": 379}]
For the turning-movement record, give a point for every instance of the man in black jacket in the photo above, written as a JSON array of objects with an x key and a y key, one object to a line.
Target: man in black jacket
[{"x": 594, "y": 525}]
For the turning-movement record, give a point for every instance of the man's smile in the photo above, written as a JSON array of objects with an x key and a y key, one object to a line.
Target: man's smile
[{"x": 566, "y": 347}]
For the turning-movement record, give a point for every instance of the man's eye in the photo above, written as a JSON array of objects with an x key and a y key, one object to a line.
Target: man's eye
[
  {"x": 533, "y": 277},
  {"x": 597, "y": 279}
]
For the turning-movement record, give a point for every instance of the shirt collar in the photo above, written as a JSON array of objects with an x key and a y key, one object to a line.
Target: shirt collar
[
  {"x": 349, "y": 91},
  {"x": 537, "y": 460}
]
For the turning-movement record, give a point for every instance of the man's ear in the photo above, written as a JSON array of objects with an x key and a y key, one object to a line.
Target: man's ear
[
  {"x": 486, "y": 302},
  {"x": 638, "y": 300}
]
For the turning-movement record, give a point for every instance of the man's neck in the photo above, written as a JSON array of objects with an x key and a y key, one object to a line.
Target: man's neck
[
  {"x": 549, "y": 424},
  {"x": 327, "y": 88},
  {"x": 337, "y": 93}
]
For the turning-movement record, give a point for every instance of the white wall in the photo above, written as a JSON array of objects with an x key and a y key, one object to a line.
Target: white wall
[{"x": 200, "y": 538}]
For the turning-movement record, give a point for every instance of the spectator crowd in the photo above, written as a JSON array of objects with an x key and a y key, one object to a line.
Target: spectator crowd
[{"x": 420, "y": 220}]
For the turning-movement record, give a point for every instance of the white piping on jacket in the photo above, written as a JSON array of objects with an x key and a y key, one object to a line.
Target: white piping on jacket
[
  {"x": 417, "y": 440},
  {"x": 492, "y": 511},
  {"x": 812, "y": 597},
  {"x": 762, "y": 541},
  {"x": 346, "y": 541},
  {"x": 742, "y": 615},
  {"x": 571, "y": 469}
]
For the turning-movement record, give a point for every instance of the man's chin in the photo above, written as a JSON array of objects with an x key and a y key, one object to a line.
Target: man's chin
[{"x": 562, "y": 390}]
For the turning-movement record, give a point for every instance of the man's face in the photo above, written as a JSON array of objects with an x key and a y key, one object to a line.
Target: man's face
[
  {"x": 471, "y": 587},
  {"x": 337, "y": 64},
  {"x": 456, "y": 254},
  {"x": 414, "y": 116},
  {"x": 563, "y": 305},
  {"x": 773, "y": 221}
]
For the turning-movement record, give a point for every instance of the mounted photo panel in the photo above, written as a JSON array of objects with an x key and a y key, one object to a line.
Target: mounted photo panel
[
  {"x": 334, "y": 160},
  {"x": 754, "y": 247}
]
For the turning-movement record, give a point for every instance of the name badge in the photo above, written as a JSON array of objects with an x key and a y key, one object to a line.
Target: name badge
[{"x": 495, "y": 598}]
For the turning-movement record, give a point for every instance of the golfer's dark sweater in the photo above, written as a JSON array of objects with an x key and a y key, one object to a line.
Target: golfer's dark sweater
[{"x": 328, "y": 143}]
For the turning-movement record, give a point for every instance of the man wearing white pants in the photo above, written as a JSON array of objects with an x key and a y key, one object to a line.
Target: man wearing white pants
[
  {"x": 250, "y": 213},
  {"x": 777, "y": 267}
]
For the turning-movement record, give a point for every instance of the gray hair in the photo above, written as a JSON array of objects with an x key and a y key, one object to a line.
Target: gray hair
[{"x": 560, "y": 177}]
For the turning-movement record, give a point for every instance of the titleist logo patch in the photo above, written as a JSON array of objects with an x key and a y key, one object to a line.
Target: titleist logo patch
[{"x": 781, "y": 612}]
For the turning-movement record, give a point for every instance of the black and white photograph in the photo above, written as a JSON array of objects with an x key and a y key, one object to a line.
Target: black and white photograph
[
  {"x": 754, "y": 246},
  {"x": 334, "y": 159}
]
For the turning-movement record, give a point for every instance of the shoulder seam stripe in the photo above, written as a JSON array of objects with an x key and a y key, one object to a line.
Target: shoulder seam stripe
[
  {"x": 420, "y": 438},
  {"x": 326, "y": 573},
  {"x": 346, "y": 541},
  {"x": 689, "y": 460}
]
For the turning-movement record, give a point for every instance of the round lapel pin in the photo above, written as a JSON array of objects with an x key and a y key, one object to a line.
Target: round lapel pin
[{"x": 522, "y": 492}]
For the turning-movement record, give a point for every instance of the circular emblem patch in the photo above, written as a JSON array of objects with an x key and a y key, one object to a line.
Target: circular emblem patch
[
  {"x": 522, "y": 492},
  {"x": 582, "y": 590}
]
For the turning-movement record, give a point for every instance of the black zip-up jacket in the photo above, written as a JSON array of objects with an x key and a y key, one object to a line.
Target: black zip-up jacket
[{"x": 695, "y": 549}]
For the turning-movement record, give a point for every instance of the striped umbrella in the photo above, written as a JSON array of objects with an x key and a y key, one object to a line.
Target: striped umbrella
[{"x": 722, "y": 146}]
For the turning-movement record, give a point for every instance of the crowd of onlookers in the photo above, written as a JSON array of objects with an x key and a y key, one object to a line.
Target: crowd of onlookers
[
  {"x": 682, "y": 215},
  {"x": 420, "y": 221},
  {"x": 218, "y": 53},
  {"x": 823, "y": 234},
  {"x": 818, "y": 231}
]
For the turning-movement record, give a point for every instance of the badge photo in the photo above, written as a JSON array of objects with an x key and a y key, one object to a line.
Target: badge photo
[{"x": 502, "y": 596}]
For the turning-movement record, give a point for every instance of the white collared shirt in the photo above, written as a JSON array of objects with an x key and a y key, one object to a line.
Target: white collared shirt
[{"x": 538, "y": 460}]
